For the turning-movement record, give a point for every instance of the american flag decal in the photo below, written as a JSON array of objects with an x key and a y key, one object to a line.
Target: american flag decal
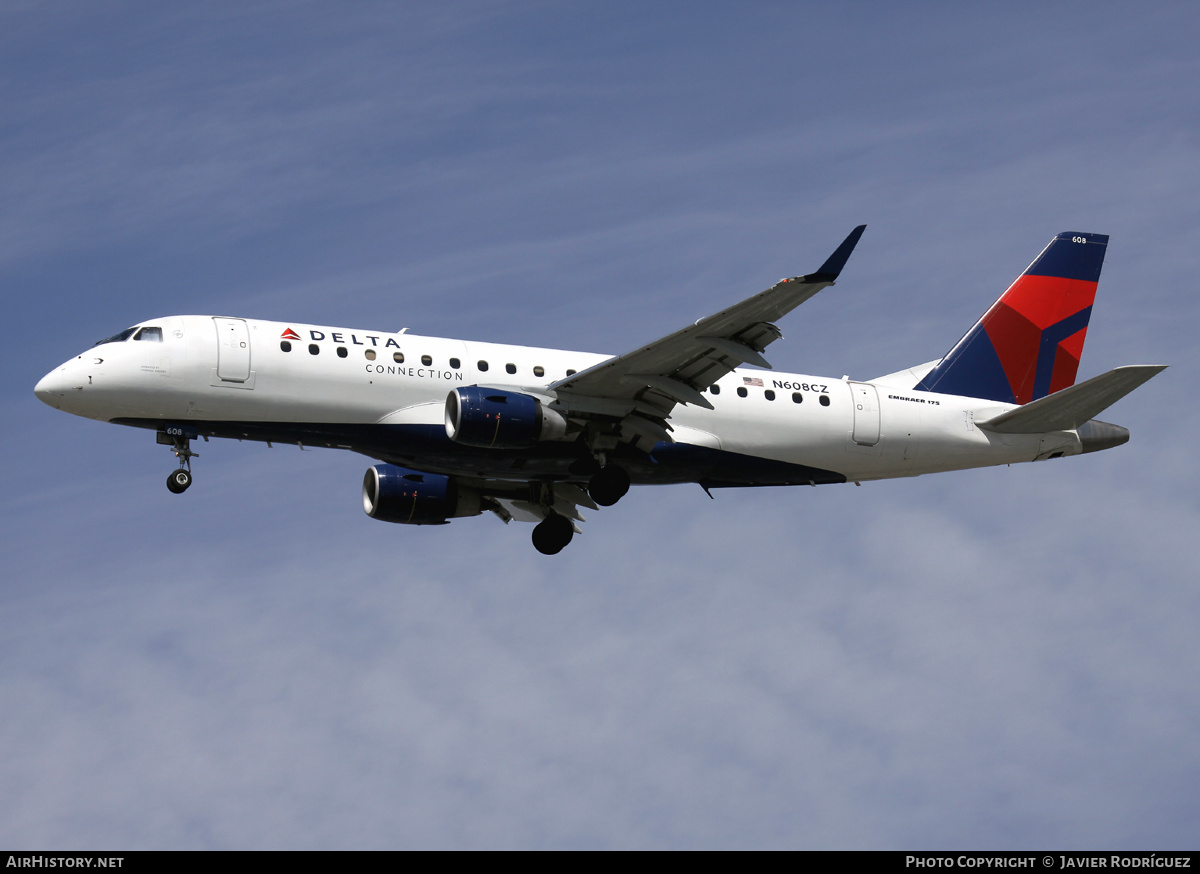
[{"x": 752, "y": 380}]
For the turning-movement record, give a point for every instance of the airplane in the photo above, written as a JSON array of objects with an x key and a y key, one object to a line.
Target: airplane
[{"x": 533, "y": 434}]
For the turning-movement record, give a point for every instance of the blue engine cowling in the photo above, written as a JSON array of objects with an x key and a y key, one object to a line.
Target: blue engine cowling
[
  {"x": 397, "y": 494},
  {"x": 492, "y": 418}
]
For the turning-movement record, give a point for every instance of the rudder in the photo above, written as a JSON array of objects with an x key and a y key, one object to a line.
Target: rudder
[{"x": 1028, "y": 344}]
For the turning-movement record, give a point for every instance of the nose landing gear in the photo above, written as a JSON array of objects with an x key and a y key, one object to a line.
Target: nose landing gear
[
  {"x": 181, "y": 446},
  {"x": 179, "y": 480}
]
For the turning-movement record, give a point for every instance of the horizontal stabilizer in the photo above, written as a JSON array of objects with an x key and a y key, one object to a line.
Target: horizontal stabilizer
[{"x": 1071, "y": 407}]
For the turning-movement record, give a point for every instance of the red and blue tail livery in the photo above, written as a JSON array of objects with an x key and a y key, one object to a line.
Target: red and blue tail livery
[{"x": 1028, "y": 344}]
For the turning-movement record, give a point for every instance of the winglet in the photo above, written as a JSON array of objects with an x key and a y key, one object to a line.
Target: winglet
[{"x": 834, "y": 263}]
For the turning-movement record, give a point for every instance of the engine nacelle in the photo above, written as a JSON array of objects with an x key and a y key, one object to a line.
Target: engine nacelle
[
  {"x": 397, "y": 494},
  {"x": 492, "y": 418}
]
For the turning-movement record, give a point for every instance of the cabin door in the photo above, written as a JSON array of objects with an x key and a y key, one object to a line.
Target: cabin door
[
  {"x": 866, "y": 413},
  {"x": 233, "y": 350}
]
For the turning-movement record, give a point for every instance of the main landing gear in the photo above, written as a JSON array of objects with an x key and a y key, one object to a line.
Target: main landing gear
[
  {"x": 181, "y": 445},
  {"x": 608, "y": 485},
  {"x": 552, "y": 534}
]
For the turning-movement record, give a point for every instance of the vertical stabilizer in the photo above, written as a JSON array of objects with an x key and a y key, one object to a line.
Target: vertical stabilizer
[{"x": 1028, "y": 344}]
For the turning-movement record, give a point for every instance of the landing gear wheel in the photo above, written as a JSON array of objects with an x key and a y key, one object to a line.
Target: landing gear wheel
[
  {"x": 181, "y": 446},
  {"x": 179, "y": 480},
  {"x": 552, "y": 534},
  {"x": 609, "y": 485}
]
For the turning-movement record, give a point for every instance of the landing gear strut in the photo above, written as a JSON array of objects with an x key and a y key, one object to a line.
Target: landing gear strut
[
  {"x": 181, "y": 446},
  {"x": 608, "y": 485},
  {"x": 552, "y": 534}
]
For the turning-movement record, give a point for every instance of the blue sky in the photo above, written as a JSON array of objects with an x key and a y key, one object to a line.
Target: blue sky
[{"x": 997, "y": 658}]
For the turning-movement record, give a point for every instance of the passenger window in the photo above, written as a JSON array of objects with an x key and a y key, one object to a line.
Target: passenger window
[
  {"x": 824, "y": 400},
  {"x": 539, "y": 371},
  {"x": 342, "y": 353},
  {"x": 152, "y": 334},
  {"x": 314, "y": 349},
  {"x": 285, "y": 345},
  {"x": 427, "y": 360},
  {"x": 481, "y": 366},
  {"x": 797, "y": 398},
  {"x": 511, "y": 368},
  {"x": 455, "y": 363},
  {"x": 769, "y": 395},
  {"x": 714, "y": 389},
  {"x": 370, "y": 353},
  {"x": 398, "y": 357},
  {"x": 741, "y": 391}
]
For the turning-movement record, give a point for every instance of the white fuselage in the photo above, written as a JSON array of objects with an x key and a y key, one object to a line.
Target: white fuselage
[{"x": 221, "y": 374}]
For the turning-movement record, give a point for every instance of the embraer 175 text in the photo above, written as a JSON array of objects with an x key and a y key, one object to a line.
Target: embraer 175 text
[{"x": 533, "y": 434}]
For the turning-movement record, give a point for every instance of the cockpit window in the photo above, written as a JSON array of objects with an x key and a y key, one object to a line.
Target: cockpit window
[
  {"x": 117, "y": 338},
  {"x": 152, "y": 334}
]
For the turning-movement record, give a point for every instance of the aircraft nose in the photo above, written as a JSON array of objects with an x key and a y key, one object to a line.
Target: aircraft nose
[{"x": 52, "y": 388}]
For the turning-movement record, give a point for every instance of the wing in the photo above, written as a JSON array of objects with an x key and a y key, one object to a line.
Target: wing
[
  {"x": 642, "y": 387},
  {"x": 563, "y": 499}
]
